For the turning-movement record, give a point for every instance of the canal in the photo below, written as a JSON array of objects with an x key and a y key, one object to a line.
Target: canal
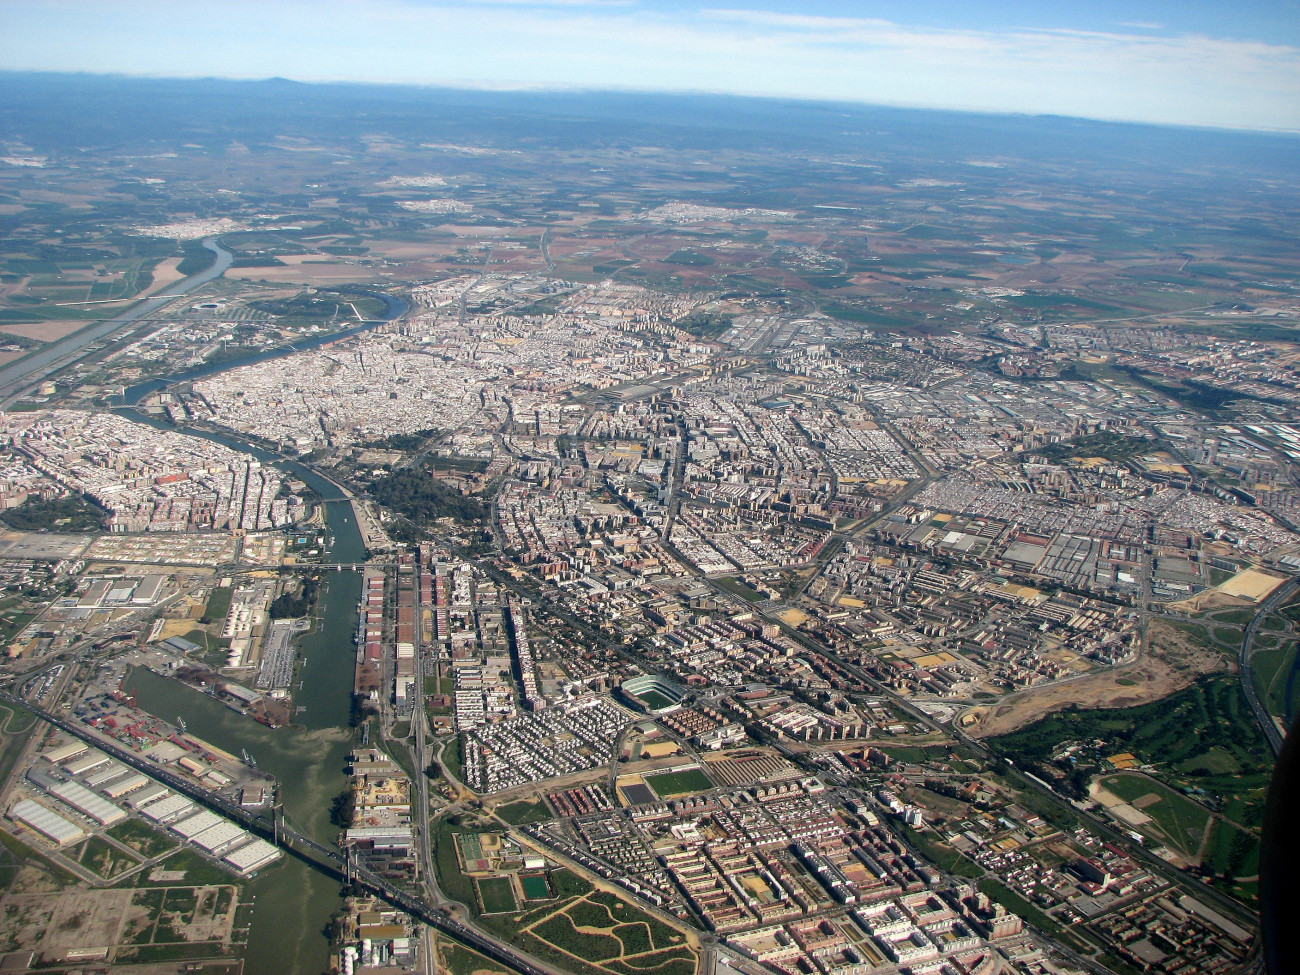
[
  {"x": 52, "y": 356},
  {"x": 294, "y": 903}
]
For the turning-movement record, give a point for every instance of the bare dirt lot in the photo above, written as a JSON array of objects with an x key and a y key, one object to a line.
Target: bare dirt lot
[
  {"x": 1172, "y": 660},
  {"x": 164, "y": 274},
  {"x": 44, "y": 331},
  {"x": 314, "y": 272}
]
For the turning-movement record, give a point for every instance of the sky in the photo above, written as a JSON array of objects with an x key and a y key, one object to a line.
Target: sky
[{"x": 1218, "y": 63}]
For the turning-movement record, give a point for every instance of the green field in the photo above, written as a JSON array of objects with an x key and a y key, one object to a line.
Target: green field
[
  {"x": 1276, "y": 680},
  {"x": 1202, "y": 737},
  {"x": 1233, "y": 617},
  {"x": 654, "y": 700},
  {"x": 1016, "y": 904},
  {"x": 198, "y": 871},
  {"x": 916, "y": 754},
  {"x": 496, "y": 895},
  {"x": 559, "y": 931},
  {"x": 741, "y": 589},
  {"x": 454, "y": 883},
  {"x": 101, "y": 857},
  {"x": 535, "y": 888},
  {"x": 451, "y": 759},
  {"x": 12, "y": 623},
  {"x": 208, "y": 642},
  {"x": 1228, "y": 636},
  {"x": 1181, "y": 821},
  {"x": 941, "y": 854},
  {"x": 523, "y": 811},
  {"x": 1231, "y": 851},
  {"x": 603, "y": 929},
  {"x": 621, "y": 938},
  {"x": 218, "y": 604},
  {"x": 459, "y": 960},
  {"x": 668, "y": 784}
]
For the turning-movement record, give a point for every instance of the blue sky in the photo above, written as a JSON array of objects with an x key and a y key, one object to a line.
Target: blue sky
[{"x": 1227, "y": 63}]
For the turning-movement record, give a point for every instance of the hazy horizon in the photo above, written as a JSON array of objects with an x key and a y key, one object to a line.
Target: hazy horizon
[{"x": 1190, "y": 64}]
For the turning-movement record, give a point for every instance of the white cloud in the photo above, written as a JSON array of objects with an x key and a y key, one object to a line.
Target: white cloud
[{"x": 1139, "y": 73}]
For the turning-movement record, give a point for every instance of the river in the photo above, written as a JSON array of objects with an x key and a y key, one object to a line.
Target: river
[
  {"x": 133, "y": 394},
  {"x": 16, "y": 373},
  {"x": 294, "y": 903}
]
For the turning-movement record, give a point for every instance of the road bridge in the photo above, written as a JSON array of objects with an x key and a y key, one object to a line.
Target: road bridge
[{"x": 316, "y": 855}]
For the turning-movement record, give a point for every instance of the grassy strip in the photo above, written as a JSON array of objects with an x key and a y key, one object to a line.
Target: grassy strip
[
  {"x": 941, "y": 854},
  {"x": 1016, "y": 904},
  {"x": 523, "y": 811}
]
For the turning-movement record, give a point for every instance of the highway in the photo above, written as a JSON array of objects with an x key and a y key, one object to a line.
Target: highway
[
  {"x": 19, "y": 375},
  {"x": 419, "y": 751},
  {"x": 1265, "y": 720}
]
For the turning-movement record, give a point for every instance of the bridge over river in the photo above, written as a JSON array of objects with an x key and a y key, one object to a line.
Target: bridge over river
[{"x": 284, "y": 836}]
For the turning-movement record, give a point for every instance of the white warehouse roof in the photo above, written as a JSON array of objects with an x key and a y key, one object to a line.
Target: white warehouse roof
[
  {"x": 49, "y": 824},
  {"x": 87, "y": 803},
  {"x": 220, "y": 837},
  {"x": 252, "y": 856},
  {"x": 192, "y": 826},
  {"x": 168, "y": 808}
]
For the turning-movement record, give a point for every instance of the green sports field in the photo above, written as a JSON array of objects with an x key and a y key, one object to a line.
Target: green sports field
[{"x": 669, "y": 784}]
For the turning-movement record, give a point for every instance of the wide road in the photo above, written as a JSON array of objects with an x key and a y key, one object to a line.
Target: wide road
[
  {"x": 1267, "y": 608},
  {"x": 15, "y": 376}
]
